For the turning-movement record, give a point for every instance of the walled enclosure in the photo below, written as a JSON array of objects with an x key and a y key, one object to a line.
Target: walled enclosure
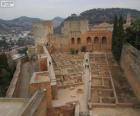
[{"x": 130, "y": 63}]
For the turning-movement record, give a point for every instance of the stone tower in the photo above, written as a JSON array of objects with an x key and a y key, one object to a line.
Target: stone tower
[
  {"x": 42, "y": 31},
  {"x": 74, "y": 24}
]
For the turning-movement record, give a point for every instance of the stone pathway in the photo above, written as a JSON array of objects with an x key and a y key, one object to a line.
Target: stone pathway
[{"x": 86, "y": 78}]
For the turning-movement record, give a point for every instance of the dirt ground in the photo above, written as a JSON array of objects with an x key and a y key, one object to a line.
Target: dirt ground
[{"x": 117, "y": 111}]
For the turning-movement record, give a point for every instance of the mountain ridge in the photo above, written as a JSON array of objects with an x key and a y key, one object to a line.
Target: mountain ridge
[
  {"x": 94, "y": 16},
  {"x": 23, "y": 23},
  {"x": 107, "y": 15}
]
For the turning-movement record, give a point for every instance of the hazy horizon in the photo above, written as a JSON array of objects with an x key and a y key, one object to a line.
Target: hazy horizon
[{"x": 48, "y": 9}]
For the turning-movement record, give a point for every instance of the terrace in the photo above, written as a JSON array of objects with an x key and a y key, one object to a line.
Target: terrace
[
  {"x": 109, "y": 86},
  {"x": 68, "y": 69}
]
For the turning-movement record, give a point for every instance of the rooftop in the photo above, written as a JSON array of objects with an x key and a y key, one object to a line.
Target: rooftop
[
  {"x": 11, "y": 107},
  {"x": 39, "y": 77}
]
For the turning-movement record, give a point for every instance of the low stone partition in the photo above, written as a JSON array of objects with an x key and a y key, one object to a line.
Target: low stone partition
[
  {"x": 52, "y": 75},
  {"x": 77, "y": 110},
  {"x": 13, "y": 88},
  {"x": 130, "y": 63},
  {"x": 100, "y": 105},
  {"x": 36, "y": 106}
]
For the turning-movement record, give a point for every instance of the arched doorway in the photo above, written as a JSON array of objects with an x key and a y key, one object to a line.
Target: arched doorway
[
  {"x": 72, "y": 41},
  {"x": 78, "y": 40},
  {"x": 89, "y": 44},
  {"x": 104, "y": 40},
  {"x": 104, "y": 44},
  {"x": 96, "y": 40},
  {"x": 96, "y": 45},
  {"x": 88, "y": 40}
]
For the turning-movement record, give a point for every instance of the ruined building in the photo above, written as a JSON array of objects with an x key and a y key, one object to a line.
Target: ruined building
[
  {"x": 42, "y": 30},
  {"x": 90, "y": 83},
  {"x": 78, "y": 34}
]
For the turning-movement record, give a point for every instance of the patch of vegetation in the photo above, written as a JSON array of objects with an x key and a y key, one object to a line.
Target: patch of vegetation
[
  {"x": 23, "y": 51},
  {"x": 73, "y": 51},
  {"x": 83, "y": 49},
  {"x": 132, "y": 34},
  {"x": 6, "y": 73},
  {"x": 118, "y": 37},
  {"x": 3, "y": 43}
]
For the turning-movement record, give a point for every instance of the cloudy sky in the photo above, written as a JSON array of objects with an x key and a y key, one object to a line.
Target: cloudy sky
[{"x": 48, "y": 9}]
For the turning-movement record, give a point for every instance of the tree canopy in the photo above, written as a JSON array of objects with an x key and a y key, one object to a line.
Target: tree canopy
[
  {"x": 118, "y": 37},
  {"x": 6, "y": 74},
  {"x": 132, "y": 34}
]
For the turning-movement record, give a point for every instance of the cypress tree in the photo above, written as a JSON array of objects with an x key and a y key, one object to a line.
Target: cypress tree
[
  {"x": 117, "y": 39},
  {"x": 115, "y": 25},
  {"x": 114, "y": 37},
  {"x": 121, "y": 37}
]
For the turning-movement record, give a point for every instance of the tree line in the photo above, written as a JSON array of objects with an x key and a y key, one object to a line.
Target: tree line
[
  {"x": 118, "y": 37},
  {"x": 132, "y": 34},
  {"x": 6, "y": 73}
]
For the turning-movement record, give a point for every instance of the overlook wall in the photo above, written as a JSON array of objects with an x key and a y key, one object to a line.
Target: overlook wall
[
  {"x": 14, "y": 85},
  {"x": 36, "y": 106},
  {"x": 130, "y": 63}
]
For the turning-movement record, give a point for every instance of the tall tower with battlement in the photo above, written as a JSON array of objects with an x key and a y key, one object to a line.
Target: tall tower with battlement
[{"x": 42, "y": 31}]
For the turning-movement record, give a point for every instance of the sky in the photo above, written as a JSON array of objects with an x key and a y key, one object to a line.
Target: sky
[{"x": 48, "y": 9}]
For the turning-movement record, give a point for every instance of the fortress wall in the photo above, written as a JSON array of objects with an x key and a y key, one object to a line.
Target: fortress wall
[
  {"x": 95, "y": 43},
  {"x": 55, "y": 43},
  {"x": 36, "y": 106},
  {"x": 41, "y": 30},
  {"x": 61, "y": 44},
  {"x": 130, "y": 63},
  {"x": 66, "y": 43},
  {"x": 14, "y": 88}
]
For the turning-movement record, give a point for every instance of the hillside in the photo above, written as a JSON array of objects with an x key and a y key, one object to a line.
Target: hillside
[
  {"x": 23, "y": 23},
  {"x": 57, "y": 21},
  {"x": 96, "y": 16}
]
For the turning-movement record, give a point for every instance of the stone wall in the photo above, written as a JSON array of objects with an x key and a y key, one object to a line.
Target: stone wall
[
  {"x": 130, "y": 63},
  {"x": 75, "y": 26},
  {"x": 44, "y": 86},
  {"x": 14, "y": 85},
  {"x": 92, "y": 41},
  {"x": 41, "y": 30},
  {"x": 60, "y": 44},
  {"x": 36, "y": 105},
  {"x": 52, "y": 75}
]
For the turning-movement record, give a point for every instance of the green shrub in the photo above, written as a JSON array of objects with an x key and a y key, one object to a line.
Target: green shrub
[{"x": 72, "y": 51}]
